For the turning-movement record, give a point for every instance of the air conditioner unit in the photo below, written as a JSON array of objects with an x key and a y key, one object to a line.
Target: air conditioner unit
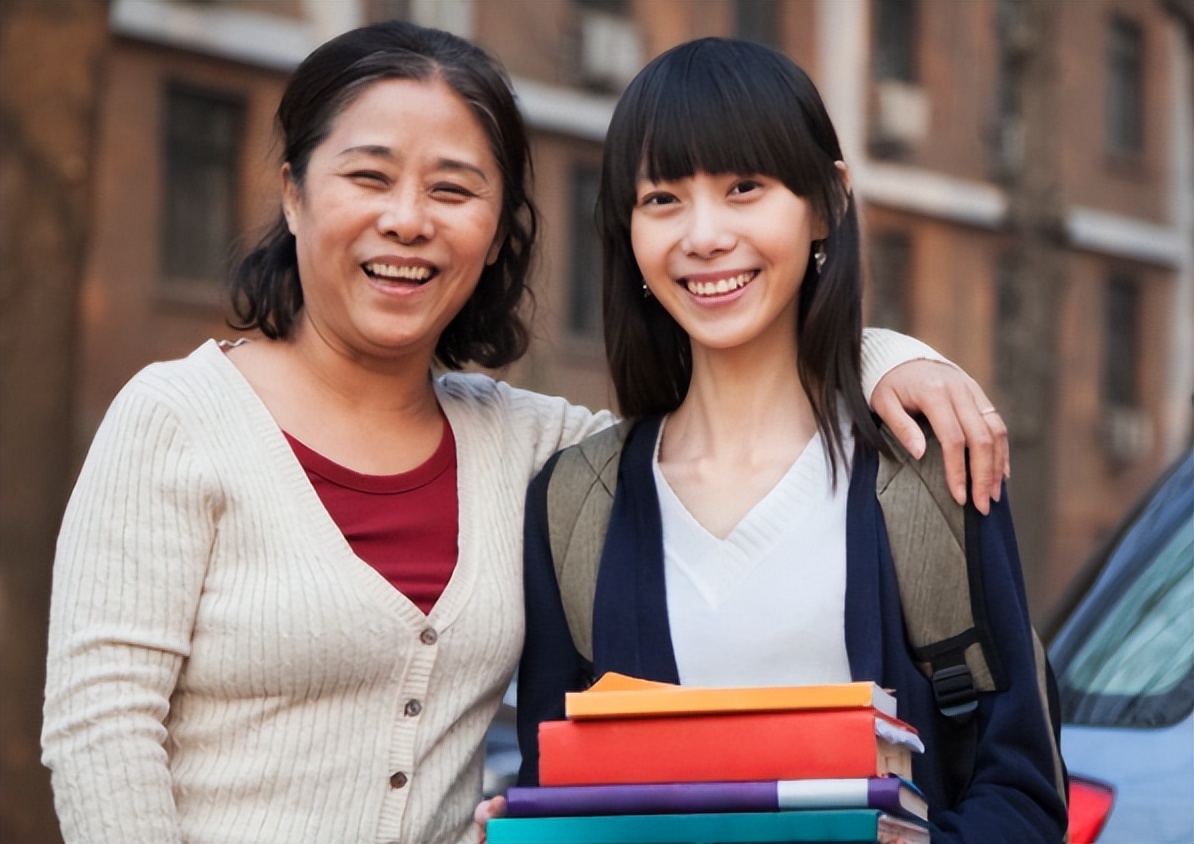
[
  {"x": 1127, "y": 433},
  {"x": 610, "y": 52},
  {"x": 899, "y": 115}
]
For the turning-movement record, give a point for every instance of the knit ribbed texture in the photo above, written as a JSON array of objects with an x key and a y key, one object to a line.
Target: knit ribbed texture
[
  {"x": 884, "y": 350},
  {"x": 222, "y": 667}
]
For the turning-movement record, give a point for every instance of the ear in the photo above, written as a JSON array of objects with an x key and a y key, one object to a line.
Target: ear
[
  {"x": 291, "y": 197},
  {"x": 821, "y": 229},
  {"x": 844, "y": 174},
  {"x": 495, "y": 248}
]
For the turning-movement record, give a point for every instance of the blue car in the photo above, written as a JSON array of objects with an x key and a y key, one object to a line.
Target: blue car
[{"x": 1124, "y": 658}]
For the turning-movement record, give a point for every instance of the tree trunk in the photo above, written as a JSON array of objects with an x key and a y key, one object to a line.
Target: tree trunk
[{"x": 50, "y": 58}]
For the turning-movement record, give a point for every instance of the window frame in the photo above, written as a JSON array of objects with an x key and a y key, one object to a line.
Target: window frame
[
  {"x": 185, "y": 155},
  {"x": 1124, "y": 96}
]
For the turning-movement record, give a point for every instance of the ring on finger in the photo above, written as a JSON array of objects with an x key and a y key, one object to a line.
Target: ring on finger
[{"x": 991, "y": 409}]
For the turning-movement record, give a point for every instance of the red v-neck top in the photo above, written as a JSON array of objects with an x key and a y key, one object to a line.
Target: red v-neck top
[{"x": 403, "y": 525}]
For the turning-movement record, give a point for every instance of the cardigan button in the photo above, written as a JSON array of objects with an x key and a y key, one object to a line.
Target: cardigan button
[
  {"x": 412, "y": 708},
  {"x": 428, "y": 636},
  {"x": 398, "y": 780}
]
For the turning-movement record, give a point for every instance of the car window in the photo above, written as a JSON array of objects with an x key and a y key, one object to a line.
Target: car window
[{"x": 1127, "y": 657}]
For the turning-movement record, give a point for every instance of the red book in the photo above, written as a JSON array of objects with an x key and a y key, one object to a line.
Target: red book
[{"x": 799, "y": 744}]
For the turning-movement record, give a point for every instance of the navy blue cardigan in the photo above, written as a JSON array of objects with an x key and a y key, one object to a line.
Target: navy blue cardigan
[{"x": 1011, "y": 797}]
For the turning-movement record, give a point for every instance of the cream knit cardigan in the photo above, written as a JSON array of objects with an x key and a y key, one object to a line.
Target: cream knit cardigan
[{"x": 223, "y": 668}]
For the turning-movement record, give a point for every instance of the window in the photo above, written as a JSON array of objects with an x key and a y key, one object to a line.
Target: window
[
  {"x": 608, "y": 51},
  {"x": 202, "y": 135},
  {"x": 1007, "y": 133},
  {"x": 890, "y": 265},
  {"x": 895, "y": 37},
  {"x": 899, "y": 116},
  {"x": 1121, "y": 323},
  {"x": 1126, "y": 657},
  {"x": 584, "y": 285},
  {"x": 757, "y": 20},
  {"x": 1125, "y": 87}
]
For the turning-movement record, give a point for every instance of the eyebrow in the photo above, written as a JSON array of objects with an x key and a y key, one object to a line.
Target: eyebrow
[{"x": 382, "y": 151}]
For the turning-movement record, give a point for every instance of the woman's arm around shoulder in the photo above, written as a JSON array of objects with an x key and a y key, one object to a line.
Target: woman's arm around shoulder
[
  {"x": 543, "y": 423},
  {"x": 902, "y": 377}
]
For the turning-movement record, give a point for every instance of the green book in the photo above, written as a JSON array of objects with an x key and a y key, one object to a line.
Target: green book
[{"x": 855, "y": 826}]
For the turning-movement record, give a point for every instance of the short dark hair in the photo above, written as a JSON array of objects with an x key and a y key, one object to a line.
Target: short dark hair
[
  {"x": 720, "y": 105},
  {"x": 490, "y": 329}
]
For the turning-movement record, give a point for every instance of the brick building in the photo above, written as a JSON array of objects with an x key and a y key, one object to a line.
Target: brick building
[{"x": 187, "y": 166}]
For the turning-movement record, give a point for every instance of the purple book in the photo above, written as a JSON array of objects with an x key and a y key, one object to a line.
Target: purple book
[{"x": 894, "y": 795}]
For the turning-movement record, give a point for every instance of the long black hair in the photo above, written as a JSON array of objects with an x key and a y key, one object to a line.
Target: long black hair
[
  {"x": 490, "y": 328},
  {"x": 719, "y": 105}
]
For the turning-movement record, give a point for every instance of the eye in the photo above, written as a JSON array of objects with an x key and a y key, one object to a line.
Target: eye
[
  {"x": 655, "y": 198},
  {"x": 368, "y": 177},
  {"x": 745, "y": 186},
  {"x": 452, "y": 192}
]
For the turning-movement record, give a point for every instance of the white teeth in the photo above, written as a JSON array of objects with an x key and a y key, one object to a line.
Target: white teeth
[
  {"x": 406, "y": 273},
  {"x": 722, "y": 285}
]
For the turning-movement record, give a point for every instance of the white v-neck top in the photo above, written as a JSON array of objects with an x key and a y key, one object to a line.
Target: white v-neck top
[{"x": 766, "y": 605}]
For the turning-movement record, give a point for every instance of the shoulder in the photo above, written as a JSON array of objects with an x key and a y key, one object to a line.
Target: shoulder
[
  {"x": 196, "y": 399},
  {"x": 480, "y": 392},
  {"x": 546, "y": 423},
  {"x": 186, "y": 385}
]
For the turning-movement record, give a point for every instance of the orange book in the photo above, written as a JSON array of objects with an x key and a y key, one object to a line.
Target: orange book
[
  {"x": 616, "y": 696},
  {"x": 796, "y": 744}
]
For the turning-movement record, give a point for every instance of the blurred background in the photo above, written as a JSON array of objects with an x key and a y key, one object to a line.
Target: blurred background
[{"x": 1024, "y": 171}]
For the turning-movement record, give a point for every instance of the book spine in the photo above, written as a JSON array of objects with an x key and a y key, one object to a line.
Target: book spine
[
  {"x": 680, "y": 700},
  {"x": 811, "y": 826},
  {"x": 712, "y": 748},
  {"x": 884, "y": 793},
  {"x": 655, "y": 798}
]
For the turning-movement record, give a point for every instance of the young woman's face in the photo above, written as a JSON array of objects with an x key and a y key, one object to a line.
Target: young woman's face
[
  {"x": 396, "y": 217},
  {"x": 724, "y": 254}
]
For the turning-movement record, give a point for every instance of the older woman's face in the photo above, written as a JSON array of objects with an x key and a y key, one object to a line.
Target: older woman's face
[{"x": 397, "y": 216}]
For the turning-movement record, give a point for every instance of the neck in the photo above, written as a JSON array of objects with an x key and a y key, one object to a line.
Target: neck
[
  {"x": 371, "y": 386},
  {"x": 740, "y": 403}
]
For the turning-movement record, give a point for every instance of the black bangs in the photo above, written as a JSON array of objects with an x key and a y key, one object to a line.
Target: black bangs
[{"x": 723, "y": 113}]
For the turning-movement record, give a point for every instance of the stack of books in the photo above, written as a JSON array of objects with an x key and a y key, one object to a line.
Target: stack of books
[{"x": 639, "y": 761}]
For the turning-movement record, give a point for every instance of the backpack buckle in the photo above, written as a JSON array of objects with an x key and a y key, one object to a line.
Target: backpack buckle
[{"x": 953, "y": 688}]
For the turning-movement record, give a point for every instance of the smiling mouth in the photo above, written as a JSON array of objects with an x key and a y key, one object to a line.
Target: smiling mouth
[
  {"x": 392, "y": 273},
  {"x": 719, "y": 287}
]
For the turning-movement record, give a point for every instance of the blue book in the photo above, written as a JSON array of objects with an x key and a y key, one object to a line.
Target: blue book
[{"x": 841, "y": 826}]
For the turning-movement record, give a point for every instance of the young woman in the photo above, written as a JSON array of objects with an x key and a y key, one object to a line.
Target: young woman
[
  {"x": 748, "y": 538},
  {"x": 288, "y": 596}
]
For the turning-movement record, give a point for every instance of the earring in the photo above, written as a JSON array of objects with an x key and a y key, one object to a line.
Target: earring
[
  {"x": 646, "y": 291},
  {"x": 819, "y": 256}
]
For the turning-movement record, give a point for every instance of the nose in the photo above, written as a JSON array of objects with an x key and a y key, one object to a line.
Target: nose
[
  {"x": 708, "y": 232},
  {"x": 404, "y": 216}
]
